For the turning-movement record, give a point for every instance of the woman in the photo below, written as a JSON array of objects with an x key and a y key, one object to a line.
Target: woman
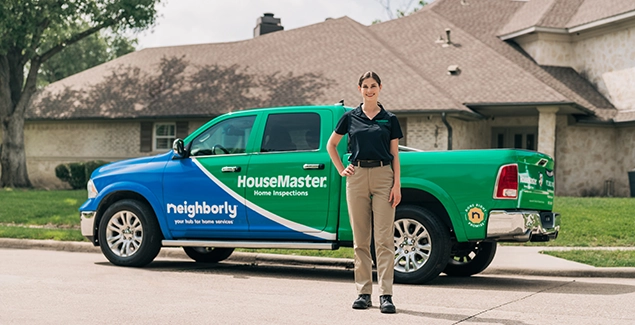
[{"x": 373, "y": 188}]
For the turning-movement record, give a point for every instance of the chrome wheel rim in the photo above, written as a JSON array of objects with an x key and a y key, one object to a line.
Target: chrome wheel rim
[
  {"x": 412, "y": 245},
  {"x": 124, "y": 233}
]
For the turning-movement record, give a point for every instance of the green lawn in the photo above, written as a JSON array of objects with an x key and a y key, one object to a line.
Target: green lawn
[
  {"x": 586, "y": 222},
  {"x": 599, "y": 258},
  {"x": 39, "y": 214},
  {"x": 33, "y": 207},
  {"x": 591, "y": 222}
]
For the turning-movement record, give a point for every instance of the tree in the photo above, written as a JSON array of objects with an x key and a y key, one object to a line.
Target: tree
[
  {"x": 85, "y": 54},
  {"x": 403, "y": 8},
  {"x": 31, "y": 33}
]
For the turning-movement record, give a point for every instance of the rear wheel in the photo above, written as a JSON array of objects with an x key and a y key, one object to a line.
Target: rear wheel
[
  {"x": 129, "y": 234},
  {"x": 208, "y": 254},
  {"x": 470, "y": 258},
  {"x": 422, "y": 245}
]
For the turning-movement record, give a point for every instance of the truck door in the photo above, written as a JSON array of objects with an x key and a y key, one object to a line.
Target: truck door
[
  {"x": 289, "y": 181},
  {"x": 200, "y": 193}
]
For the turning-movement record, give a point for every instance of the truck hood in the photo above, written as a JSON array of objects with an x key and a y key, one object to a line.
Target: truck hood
[{"x": 131, "y": 165}]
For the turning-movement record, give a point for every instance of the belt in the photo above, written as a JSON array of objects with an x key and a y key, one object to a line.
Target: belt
[{"x": 371, "y": 163}]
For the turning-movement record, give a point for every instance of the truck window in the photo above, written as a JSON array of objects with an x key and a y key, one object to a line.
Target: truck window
[
  {"x": 227, "y": 137},
  {"x": 291, "y": 132}
]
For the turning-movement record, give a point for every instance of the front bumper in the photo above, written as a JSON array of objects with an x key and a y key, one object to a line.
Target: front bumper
[
  {"x": 522, "y": 226},
  {"x": 88, "y": 225}
]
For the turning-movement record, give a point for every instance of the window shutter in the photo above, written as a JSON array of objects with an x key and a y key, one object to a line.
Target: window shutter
[
  {"x": 146, "y": 137},
  {"x": 182, "y": 130}
]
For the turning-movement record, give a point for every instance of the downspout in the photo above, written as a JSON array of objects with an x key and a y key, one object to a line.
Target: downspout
[{"x": 447, "y": 125}]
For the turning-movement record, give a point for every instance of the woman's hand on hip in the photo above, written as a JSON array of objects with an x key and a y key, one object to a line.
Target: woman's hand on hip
[
  {"x": 395, "y": 196},
  {"x": 348, "y": 171}
]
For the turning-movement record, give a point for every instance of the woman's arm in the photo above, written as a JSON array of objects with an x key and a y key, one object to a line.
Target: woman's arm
[
  {"x": 395, "y": 192},
  {"x": 331, "y": 148}
]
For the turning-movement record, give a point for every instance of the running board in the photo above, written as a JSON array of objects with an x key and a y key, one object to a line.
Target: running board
[{"x": 249, "y": 244}]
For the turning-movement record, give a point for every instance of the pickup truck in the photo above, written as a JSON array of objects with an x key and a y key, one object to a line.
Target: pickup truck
[{"x": 262, "y": 178}]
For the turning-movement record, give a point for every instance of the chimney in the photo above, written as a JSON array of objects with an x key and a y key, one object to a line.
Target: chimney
[{"x": 267, "y": 24}]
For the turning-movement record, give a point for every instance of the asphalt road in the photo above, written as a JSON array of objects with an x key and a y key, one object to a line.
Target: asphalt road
[{"x": 56, "y": 287}]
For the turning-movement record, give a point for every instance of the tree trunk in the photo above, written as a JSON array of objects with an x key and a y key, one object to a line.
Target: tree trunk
[
  {"x": 13, "y": 156},
  {"x": 13, "y": 103}
]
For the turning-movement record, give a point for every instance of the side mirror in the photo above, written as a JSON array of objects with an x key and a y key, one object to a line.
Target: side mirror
[{"x": 179, "y": 148}]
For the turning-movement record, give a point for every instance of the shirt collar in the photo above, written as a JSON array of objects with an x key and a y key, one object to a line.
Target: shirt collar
[{"x": 381, "y": 115}]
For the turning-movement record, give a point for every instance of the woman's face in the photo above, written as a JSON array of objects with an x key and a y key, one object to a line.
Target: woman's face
[{"x": 369, "y": 89}]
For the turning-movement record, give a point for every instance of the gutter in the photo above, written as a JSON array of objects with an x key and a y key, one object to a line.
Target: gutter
[{"x": 447, "y": 125}]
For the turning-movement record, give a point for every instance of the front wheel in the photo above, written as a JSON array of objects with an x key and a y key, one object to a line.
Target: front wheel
[
  {"x": 129, "y": 234},
  {"x": 208, "y": 254},
  {"x": 422, "y": 245},
  {"x": 468, "y": 259}
]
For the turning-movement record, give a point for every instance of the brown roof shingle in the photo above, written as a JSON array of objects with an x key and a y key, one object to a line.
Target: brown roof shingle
[
  {"x": 320, "y": 64},
  {"x": 337, "y": 50},
  {"x": 564, "y": 14}
]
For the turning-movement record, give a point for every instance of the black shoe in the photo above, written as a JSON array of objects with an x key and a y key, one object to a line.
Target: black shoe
[
  {"x": 362, "y": 302},
  {"x": 386, "y": 306}
]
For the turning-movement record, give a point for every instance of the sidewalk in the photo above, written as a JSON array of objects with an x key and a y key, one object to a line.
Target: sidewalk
[{"x": 514, "y": 260}]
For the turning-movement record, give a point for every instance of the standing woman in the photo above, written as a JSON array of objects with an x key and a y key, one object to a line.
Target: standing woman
[{"x": 373, "y": 188}]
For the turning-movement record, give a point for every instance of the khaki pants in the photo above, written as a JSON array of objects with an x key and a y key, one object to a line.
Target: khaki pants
[{"x": 367, "y": 194}]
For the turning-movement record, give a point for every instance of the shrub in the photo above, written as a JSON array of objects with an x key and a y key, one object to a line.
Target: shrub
[{"x": 77, "y": 174}]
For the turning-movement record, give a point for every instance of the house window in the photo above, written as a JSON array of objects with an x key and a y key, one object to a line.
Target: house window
[
  {"x": 518, "y": 138},
  {"x": 164, "y": 135}
]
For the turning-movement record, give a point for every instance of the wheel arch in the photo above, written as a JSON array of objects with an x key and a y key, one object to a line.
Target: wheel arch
[
  {"x": 433, "y": 198},
  {"x": 118, "y": 192}
]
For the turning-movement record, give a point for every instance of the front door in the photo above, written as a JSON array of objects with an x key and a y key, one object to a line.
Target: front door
[
  {"x": 200, "y": 193},
  {"x": 288, "y": 183}
]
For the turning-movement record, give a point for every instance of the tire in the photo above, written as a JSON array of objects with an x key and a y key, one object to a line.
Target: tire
[
  {"x": 208, "y": 254},
  {"x": 467, "y": 259},
  {"x": 129, "y": 234},
  {"x": 422, "y": 245}
]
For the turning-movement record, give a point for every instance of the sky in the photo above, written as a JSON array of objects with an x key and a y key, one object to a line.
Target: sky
[{"x": 184, "y": 22}]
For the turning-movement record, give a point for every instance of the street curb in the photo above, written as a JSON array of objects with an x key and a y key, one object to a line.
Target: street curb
[
  {"x": 596, "y": 272},
  {"x": 172, "y": 252},
  {"x": 258, "y": 258}
]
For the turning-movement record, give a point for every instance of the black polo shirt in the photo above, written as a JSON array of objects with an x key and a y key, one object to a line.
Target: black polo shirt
[{"x": 369, "y": 139}]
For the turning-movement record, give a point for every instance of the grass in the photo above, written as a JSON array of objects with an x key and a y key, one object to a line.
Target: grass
[
  {"x": 594, "y": 222},
  {"x": 599, "y": 258},
  {"x": 40, "y": 214},
  {"x": 586, "y": 222},
  {"x": 25, "y": 232},
  {"x": 38, "y": 207}
]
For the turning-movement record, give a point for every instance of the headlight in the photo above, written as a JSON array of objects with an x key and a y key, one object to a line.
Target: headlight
[{"x": 92, "y": 190}]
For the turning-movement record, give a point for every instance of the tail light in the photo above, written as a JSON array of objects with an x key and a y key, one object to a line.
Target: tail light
[{"x": 507, "y": 182}]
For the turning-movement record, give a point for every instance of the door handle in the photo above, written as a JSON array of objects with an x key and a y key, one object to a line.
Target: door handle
[
  {"x": 230, "y": 169},
  {"x": 313, "y": 166}
]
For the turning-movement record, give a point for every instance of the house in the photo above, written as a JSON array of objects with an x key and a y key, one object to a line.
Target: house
[{"x": 556, "y": 76}]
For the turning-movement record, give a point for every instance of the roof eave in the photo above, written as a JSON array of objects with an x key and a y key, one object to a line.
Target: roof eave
[
  {"x": 533, "y": 29},
  {"x": 531, "y": 104},
  {"x": 569, "y": 30},
  {"x": 601, "y": 22}
]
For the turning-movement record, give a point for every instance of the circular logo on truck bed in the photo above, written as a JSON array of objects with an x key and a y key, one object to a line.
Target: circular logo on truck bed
[{"x": 475, "y": 214}]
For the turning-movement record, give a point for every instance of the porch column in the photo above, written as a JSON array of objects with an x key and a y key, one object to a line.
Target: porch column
[{"x": 547, "y": 130}]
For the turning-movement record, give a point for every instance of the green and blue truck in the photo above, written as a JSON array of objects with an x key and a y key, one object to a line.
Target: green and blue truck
[{"x": 262, "y": 178}]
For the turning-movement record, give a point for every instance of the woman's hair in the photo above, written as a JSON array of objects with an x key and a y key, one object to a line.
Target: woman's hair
[{"x": 369, "y": 74}]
